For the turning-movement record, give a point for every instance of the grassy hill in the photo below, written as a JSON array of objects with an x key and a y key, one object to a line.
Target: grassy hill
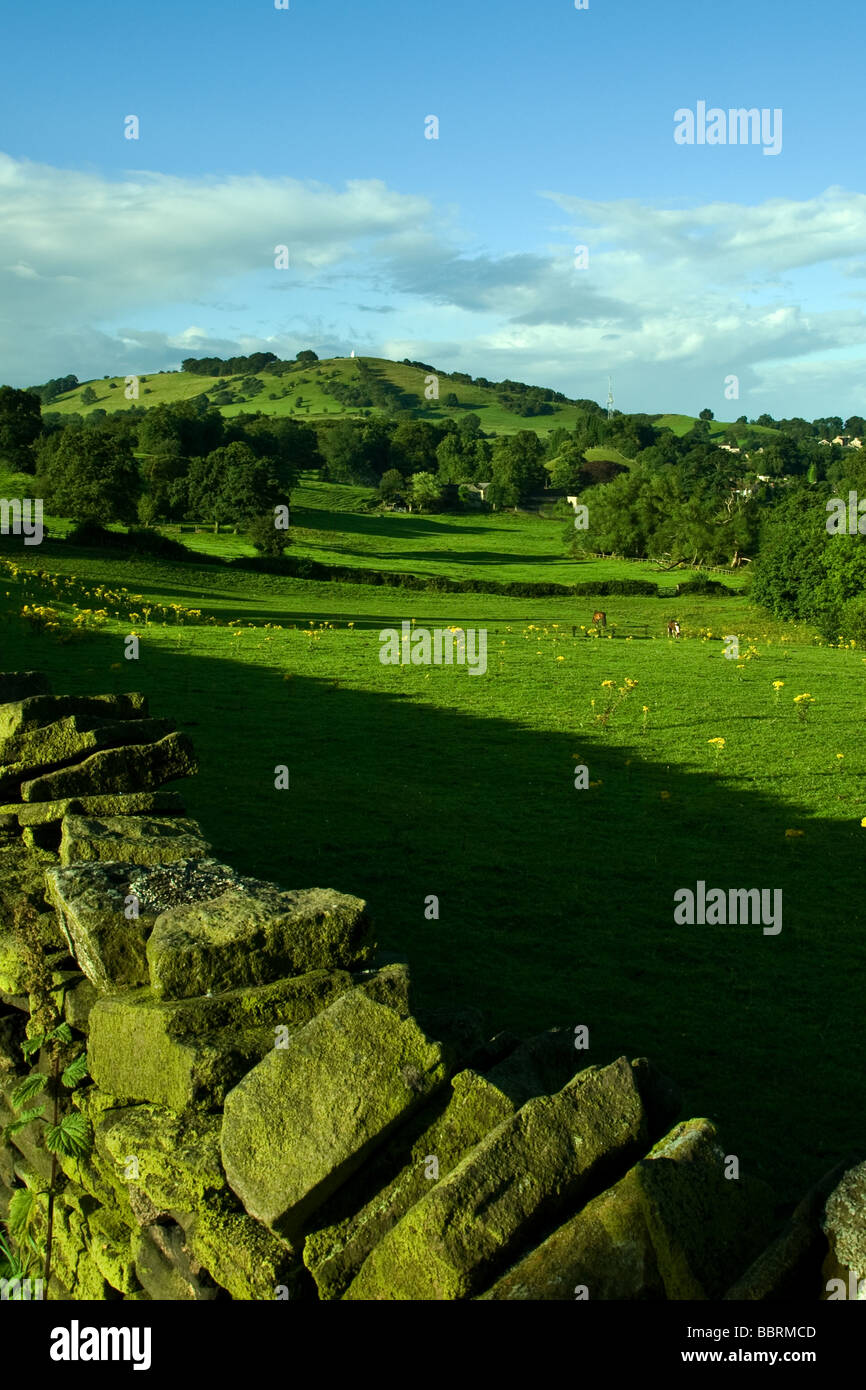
[
  {"x": 279, "y": 395},
  {"x": 681, "y": 424}
]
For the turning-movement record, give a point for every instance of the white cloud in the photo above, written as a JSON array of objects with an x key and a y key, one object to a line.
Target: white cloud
[
  {"x": 136, "y": 273},
  {"x": 78, "y": 250}
]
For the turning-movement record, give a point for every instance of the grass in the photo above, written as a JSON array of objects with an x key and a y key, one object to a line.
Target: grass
[
  {"x": 504, "y": 546},
  {"x": 410, "y": 781}
]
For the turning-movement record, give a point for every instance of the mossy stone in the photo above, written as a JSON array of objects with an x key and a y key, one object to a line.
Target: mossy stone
[
  {"x": 37, "y": 813},
  {"x": 14, "y": 964},
  {"x": 673, "y": 1228},
  {"x": 112, "y": 1250},
  {"x": 844, "y": 1223},
  {"x": 334, "y": 1252},
  {"x": 147, "y": 840},
  {"x": 35, "y": 711},
  {"x": 67, "y": 741},
  {"x": 137, "y": 767},
  {"x": 174, "y": 1160},
  {"x": 241, "y": 1255},
  {"x": 77, "y": 1003},
  {"x": 243, "y": 938},
  {"x": 516, "y": 1180},
  {"x": 91, "y": 906},
  {"x": 307, "y": 1116},
  {"x": 191, "y": 1052},
  {"x": 165, "y": 1273}
]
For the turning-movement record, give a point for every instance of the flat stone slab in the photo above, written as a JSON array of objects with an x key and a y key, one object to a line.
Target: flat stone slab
[
  {"x": 249, "y": 938},
  {"x": 138, "y": 767},
  {"x": 34, "y": 711},
  {"x": 334, "y": 1252},
  {"x": 673, "y": 1228},
  {"x": 176, "y": 1158},
  {"x": 131, "y": 839},
  {"x": 244, "y": 1258},
  {"x": 92, "y": 902},
  {"x": 158, "y": 803},
  {"x": 69, "y": 740},
  {"x": 513, "y": 1183},
  {"x": 307, "y": 1116},
  {"x": 191, "y": 1052},
  {"x": 92, "y": 906}
]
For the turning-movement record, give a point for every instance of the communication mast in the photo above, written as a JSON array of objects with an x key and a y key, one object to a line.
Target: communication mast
[{"x": 610, "y": 398}]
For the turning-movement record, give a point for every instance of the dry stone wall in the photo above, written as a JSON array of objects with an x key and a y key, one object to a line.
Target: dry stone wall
[{"x": 269, "y": 1116}]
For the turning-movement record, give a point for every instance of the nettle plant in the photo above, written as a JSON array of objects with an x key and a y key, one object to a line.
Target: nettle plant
[{"x": 67, "y": 1132}]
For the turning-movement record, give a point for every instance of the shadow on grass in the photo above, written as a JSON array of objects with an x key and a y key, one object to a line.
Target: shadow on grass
[
  {"x": 555, "y": 905},
  {"x": 392, "y": 525}
]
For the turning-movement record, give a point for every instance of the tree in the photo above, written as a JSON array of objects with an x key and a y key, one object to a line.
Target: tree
[
  {"x": 451, "y": 400},
  {"x": 91, "y": 475},
  {"x": 517, "y": 467},
  {"x": 20, "y": 426},
  {"x": 425, "y": 491},
  {"x": 413, "y": 446},
  {"x": 231, "y": 486},
  {"x": 307, "y": 357},
  {"x": 266, "y": 537},
  {"x": 452, "y": 460},
  {"x": 791, "y": 574},
  {"x": 566, "y": 468},
  {"x": 88, "y": 396},
  {"x": 342, "y": 448},
  {"x": 470, "y": 426},
  {"x": 392, "y": 485},
  {"x": 706, "y": 414}
]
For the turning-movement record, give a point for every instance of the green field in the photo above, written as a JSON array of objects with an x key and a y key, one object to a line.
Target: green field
[{"x": 555, "y": 904}]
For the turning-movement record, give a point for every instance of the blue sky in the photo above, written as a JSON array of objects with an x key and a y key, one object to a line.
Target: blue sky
[{"x": 305, "y": 127}]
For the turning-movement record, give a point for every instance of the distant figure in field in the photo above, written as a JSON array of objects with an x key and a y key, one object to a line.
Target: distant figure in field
[
  {"x": 674, "y": 628},
  {"x": 599, "y": 619}
]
